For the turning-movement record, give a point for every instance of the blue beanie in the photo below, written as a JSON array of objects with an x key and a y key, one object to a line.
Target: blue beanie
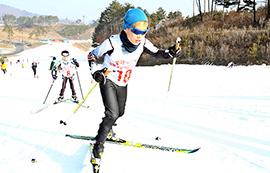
[{"x": 132, "y": 16}]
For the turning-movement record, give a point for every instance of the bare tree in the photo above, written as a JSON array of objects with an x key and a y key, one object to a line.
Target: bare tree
[
  {"x": 249, "y": 4},
  {"x": 254, "y": 13},
  {"x": 9, "y": 30},
  {"x": 241, "y": 5},
  {"x": 268, "y": 10},
  {"x": 200, "y": 8},
  {"x": 212, "y": 6},
  {"x": 204, "y": 6},
  {"x": 194, "y": 8}
]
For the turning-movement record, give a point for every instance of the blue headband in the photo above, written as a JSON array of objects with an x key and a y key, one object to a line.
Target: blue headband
[{"x": 132, "y": 16}]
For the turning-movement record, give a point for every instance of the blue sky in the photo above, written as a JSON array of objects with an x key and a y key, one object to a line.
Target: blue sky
[{"x": 91, "y": 9}]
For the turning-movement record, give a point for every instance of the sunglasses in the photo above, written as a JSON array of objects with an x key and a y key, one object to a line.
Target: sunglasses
[{"x": 138, "y": 32}]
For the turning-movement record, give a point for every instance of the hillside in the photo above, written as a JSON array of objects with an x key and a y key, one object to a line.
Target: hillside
[
  {"x": 52, "y": 33},
  {"x": 220, "y": 38},
  {"x": 5, "y": 9}
]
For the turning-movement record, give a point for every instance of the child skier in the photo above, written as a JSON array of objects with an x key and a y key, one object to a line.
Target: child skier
[
  {"x": 68, "y": 68},
  {"x": 121, "y": 53}
]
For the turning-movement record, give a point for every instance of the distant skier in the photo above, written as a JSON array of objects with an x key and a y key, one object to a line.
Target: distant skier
[
  {"x": 68, "y": 69},
  {"x": 4, "y": 67},
  {"x": 53, "y": 68},
  {"x": 34, "y": 68},
  {"x": 121, "y": 53}
]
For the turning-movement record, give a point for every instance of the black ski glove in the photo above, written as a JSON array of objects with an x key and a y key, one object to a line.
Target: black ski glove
[
  {"x": 91, "y": 58},
  {"x": 54, "y": 77},
  {"x": 175, "y": 50},
  {"x": 75, "y": 62},
  {"x": 99, "y": 76}
]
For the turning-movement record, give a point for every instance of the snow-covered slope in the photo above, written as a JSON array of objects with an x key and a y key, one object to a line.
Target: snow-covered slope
[{"x": 225, "y": 111}]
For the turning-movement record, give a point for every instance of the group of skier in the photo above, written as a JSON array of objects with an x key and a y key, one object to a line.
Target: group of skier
[{"x": 4, "y": 66}]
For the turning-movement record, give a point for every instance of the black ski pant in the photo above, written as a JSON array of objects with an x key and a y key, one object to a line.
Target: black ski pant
[
  {"x": 114, "y": 99},
  {"x": 34, "y": 70},
  {"x": 54, "y": 73},
  {"x": 64, "y": 83}
]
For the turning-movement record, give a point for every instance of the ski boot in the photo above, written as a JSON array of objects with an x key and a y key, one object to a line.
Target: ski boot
[
  {"x": 75, "y": 99},
  {"x": 96, "y": 156},
  {"x": 112, "y": 137},
  {"x": 59, "y": 99},
  {"x": 96, "y": 164}
]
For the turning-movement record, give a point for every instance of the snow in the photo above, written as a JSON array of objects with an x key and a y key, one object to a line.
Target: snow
[{"x": 225, "y": 111}]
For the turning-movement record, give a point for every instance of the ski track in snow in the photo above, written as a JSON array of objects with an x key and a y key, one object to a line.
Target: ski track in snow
[
  {"x": 225, "y": 111},
  {"x": 237, "y": 143}
]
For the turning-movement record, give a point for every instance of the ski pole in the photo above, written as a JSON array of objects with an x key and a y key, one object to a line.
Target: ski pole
[
  {"x": 170, "y": 80},
  {"x": 49, "y": 91},
  {"x": 177, "y": 47},
  {"x": 83, "y": 100},
  {"x": 79, "y": 82}
]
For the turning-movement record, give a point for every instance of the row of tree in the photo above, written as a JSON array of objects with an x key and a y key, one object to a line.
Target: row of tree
[
  {"x": 110, "y": 21},
  {"x": 38, "y": 25},
  {"x": 28, "y": 22},
  {"x": 240, "y": 5}
]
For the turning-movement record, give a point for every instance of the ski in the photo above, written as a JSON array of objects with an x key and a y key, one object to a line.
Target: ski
[
  {"x": 57, "y": 101},
  {"x": 45, "y": 106},
  {"x": 77, "y": 102},
  {"x": 94, "y": 161},
  {"x": 137, "y": 144}
]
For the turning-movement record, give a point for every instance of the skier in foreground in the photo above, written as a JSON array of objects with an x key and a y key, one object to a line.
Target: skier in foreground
[
  {"x": 122, "y": 52},
  {"x": 68, "y": 69}
]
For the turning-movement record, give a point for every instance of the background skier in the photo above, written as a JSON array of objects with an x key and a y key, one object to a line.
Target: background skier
[
  {"x": 121, "y": 53},
  {"x": 53, "y": 68},
  {"x": 4, "y": 67},
  {"x": 34, "y": 68},
  {"x": 68, "y": 69}
]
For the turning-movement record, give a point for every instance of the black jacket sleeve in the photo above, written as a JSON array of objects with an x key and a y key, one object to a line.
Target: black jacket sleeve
[
  {"x": 52, "y": 65},
  {"x": 76, "y": 64},
  {"x": 159, "y": 54},
  {"x": 154, "y": 51}
]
